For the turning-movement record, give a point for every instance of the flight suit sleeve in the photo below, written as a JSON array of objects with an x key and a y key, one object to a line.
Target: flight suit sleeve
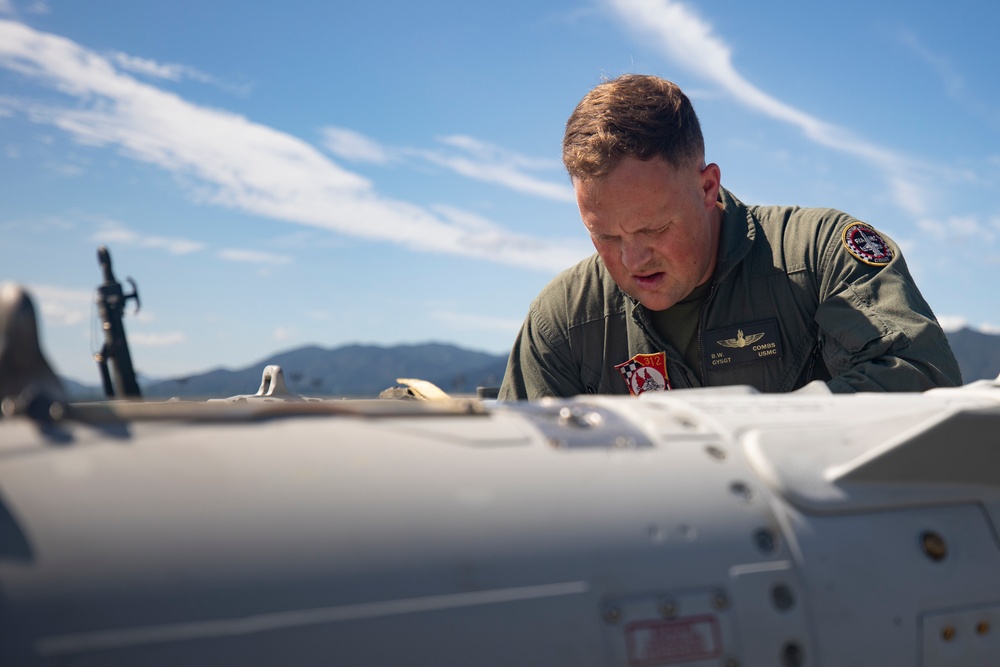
[
  {"x": 540, "y": 364},
  {"x": 877, "y": 333}
]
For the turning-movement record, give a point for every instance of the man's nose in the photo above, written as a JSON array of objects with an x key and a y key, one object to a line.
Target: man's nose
[{"x": 636, "y": 254}]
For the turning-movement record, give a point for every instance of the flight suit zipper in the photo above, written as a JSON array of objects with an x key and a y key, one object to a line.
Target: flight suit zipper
[{"x": 702, "y": 323}]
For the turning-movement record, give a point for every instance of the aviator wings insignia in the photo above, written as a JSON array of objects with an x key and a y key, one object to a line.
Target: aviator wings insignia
[{"x": 741, "y": 340}]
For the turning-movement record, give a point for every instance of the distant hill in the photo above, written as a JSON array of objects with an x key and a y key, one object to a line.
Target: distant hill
[
  {"x": 82, "y": 392},
  {"x": 978, "y": 354},
  {"x": 352, "y": 371},
  {"x": 365, "y": 370}
]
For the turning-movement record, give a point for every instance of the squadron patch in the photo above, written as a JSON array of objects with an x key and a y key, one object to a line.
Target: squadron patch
[
  {"x": 645, "y": 372},
  {"x": 866, "y": 244}
]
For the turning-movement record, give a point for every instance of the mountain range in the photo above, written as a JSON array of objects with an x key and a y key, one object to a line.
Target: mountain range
[{"x": 366, "y": 370}]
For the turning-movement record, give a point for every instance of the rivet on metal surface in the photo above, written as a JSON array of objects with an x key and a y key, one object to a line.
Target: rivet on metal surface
[
  {"x": 57, "y": 411},
  {"x": 782, "y": 597},
  {"x": 765, "y": 540},
  {"x": 934, "y": 546},
  {"x": 579, "y": 417},
  {"x": 612, "y": 614},
  {"x": 715, "y": 452},
  {"x": 657, "y": 535},
  {"x": 625, "y": 441},
  {"x": 948, "y": 633},
  {"x": 792, "y": 655},
  {"x": 982, "y": 627},
  {"x": 720, "y": 600},
  {"x": 741, "y": 491},
  {"x": 667, "y": 608}
]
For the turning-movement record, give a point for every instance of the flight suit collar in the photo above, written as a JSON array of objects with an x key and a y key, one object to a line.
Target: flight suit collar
[{"x": 736, "y": 235}]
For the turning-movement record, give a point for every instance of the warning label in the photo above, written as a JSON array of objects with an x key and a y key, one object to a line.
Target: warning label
[{"x": 666, "y": 642}]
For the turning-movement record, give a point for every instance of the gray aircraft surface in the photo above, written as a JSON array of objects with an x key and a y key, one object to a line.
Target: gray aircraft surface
[{"x": 702, "y": 527}]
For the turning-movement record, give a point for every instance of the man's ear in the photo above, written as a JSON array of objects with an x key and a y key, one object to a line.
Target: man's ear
[{"x": 711, "y": 181}]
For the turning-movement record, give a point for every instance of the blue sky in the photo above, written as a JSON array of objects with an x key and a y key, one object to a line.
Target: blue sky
[{"x": 280, "y": 174}]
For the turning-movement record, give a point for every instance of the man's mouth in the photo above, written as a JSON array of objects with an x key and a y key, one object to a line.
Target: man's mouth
[{"x": 650, "y": 280}]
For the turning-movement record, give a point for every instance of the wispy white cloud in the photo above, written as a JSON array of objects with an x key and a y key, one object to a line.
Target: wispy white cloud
[
  {"x": 951, "y": 78},
  {"x": 115, "y": 232},
  {"x": 172, "y": 72},
  {"x": 47, "y": 224},
  {"x": 679, "y": 33},
  {"x": 146, "y": 67},
  {"x": 463, "y": 155},
  {"x": 486, "y": 152},
  {"x": 283, "y": 333},
  {"x": 485, "y": 162},
  {"x": 951, "y": 323},
  {"x": 570, "y": 17},
  {"x": 354, "y": 146},
  {"x": 38, "y": 7},
  {"x": 61, "y": 306},
  {"x": 253, "y": 257},
  {"x": 957, "y": 227},
  {"x": 242, "y": 164},
  {"x": 953, "y": 82}
]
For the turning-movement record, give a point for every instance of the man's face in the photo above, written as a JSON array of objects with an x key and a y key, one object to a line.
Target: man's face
[{"x": 656, "y": 227}]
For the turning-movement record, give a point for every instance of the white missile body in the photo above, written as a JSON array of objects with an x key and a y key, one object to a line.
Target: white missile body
[{"x": 700, "y": 527}]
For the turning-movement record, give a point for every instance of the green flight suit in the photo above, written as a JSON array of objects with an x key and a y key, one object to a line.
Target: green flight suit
[{"x": 789, "y": 303}]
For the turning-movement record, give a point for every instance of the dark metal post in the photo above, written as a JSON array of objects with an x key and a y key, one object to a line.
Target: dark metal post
[{"x": 110, "y": 308}]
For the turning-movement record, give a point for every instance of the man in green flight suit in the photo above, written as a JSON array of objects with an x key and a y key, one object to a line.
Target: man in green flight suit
[{"x": 690, "y": 287}]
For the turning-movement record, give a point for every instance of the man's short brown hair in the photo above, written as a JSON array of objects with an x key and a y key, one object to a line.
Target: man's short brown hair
[{"x": 636, "y": 116}]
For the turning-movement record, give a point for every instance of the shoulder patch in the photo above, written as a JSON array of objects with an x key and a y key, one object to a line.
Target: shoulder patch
[{"x": 867, "y": 245}]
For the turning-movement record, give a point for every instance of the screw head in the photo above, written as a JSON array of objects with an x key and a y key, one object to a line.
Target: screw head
[
  {"x": 782, "y": 597},
  {"x": 624, "y": 442},
  {"x": 934, "y": 546},
  {"x": 741, "y": 491},
  {"x": 612, "y": 614},
  {"x": 57, "y": 411},
  {"x": 792, "y": 655},
  {"x": 765, "y": 540},
  {"x": 667, "y": 608},
  {"x": 716, "y": 453}
]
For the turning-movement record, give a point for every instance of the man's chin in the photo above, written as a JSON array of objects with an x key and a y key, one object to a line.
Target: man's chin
[{"x": 654, "y": 301}]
